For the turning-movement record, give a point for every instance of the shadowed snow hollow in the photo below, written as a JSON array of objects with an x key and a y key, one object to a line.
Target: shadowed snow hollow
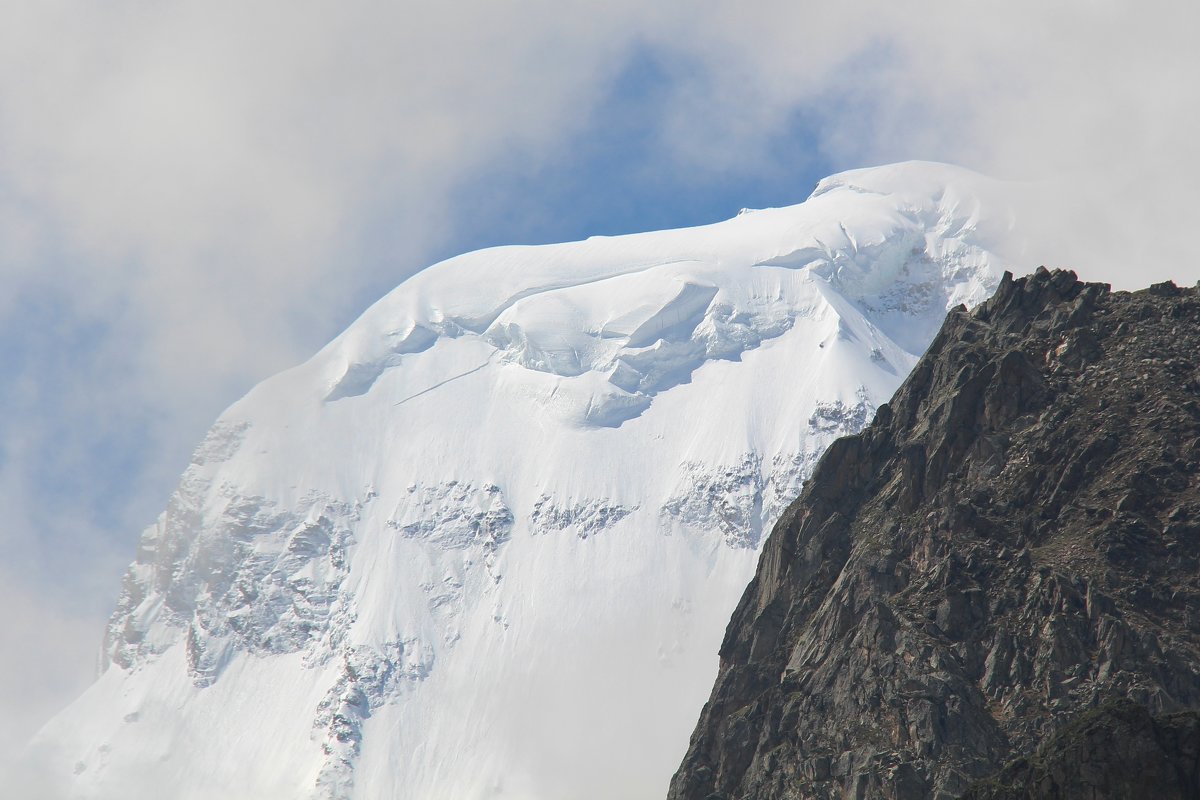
[{"x": 485, "y": 543}]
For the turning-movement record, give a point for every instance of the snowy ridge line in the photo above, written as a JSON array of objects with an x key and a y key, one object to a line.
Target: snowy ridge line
[{"x": 422, "y": 333}]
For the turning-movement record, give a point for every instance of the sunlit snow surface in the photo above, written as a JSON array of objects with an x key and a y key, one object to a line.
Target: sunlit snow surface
[{"x": 485, "y": 543}]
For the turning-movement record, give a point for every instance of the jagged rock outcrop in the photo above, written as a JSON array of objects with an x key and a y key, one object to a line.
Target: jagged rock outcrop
[
  {"x": 1015, "y": 539},
  {"x": 1115, "y": 752}
]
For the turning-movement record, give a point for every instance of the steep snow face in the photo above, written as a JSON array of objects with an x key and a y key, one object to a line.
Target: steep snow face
[{"x": 485, "y": 543}]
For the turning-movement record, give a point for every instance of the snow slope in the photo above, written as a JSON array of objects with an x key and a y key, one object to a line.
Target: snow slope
[{"x": 485, "y": 543}]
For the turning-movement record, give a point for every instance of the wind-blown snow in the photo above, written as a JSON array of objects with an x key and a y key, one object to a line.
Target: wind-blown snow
[{"x": 485, "y": 543}]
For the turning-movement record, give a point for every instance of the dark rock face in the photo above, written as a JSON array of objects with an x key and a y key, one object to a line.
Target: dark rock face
[
  {"x": 1115, "y": 751},
  {"x": 1014, "y": 540}
]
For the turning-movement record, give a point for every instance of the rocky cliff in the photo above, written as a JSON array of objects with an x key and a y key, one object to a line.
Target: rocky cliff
[
  {"x": 1115, "y": 751},
  {"x": 1013, "y": 541}
]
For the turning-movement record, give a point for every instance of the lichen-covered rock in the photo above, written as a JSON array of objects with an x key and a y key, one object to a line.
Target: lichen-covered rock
[{"x": 1014, "y": 540}]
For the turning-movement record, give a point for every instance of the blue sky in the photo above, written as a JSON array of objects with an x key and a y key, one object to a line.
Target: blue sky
[
  {"x": 610, "y": 178},
  {"x": 607, "y": 178},
  {"x": 192, "y": 198}
]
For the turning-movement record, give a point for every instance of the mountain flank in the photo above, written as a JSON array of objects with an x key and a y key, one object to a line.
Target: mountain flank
[
  {"x": 460, "y": 550},
  {"x": 1014, "y": 541}
]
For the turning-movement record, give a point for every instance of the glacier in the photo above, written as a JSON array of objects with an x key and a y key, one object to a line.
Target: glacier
[{"x": 485, "y": 543}]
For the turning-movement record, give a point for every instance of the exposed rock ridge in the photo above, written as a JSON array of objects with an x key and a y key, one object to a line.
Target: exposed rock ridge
[
  {"x": 1116, "y": 750},
  {"x": 1015, "y": 539}
]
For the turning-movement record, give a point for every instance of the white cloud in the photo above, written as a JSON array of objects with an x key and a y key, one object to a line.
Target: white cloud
[
  {"x": 40, "y": 667},
  {"x": 1095, "y": 100}
]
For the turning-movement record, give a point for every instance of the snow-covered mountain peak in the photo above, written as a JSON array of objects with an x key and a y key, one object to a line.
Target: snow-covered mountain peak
[
  {"x": 622, "y": 318},
  {"x": 460, "y": 551}
]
